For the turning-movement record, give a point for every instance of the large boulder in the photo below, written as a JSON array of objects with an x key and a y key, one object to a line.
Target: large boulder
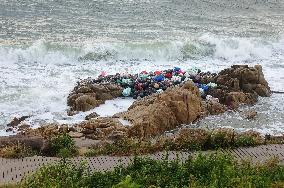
[
  {"x": 163, "y": 112},
  {"x": 87, "y": 95},
  {"x": 244, "y": 78}
]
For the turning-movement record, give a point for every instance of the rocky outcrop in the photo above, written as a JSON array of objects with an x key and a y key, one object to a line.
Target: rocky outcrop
[
  {"x": 240, "y": 84},
  {"x": 163, "y": 112},
  {"x": 164, "y": 109},
  {"x": 47, "y": 131},
  {"x": 102, "y": 128},
  {"x": 244, "y": 78},
  {"x": 87, "y": 95}
]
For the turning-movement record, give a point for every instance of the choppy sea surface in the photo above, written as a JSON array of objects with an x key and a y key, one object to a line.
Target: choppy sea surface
[{"x": 42, "y": 44}]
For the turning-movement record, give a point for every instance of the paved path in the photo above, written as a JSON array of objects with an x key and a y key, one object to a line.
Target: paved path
[{"x": 12, "y": 170}]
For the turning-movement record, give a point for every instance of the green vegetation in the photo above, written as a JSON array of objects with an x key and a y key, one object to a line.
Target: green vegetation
[
  {"x": 17, "y": 151},
  {"x": 214, "y": 171},
  {"x": 63, "y": 146},
  {"x": 185, "y": 140}
]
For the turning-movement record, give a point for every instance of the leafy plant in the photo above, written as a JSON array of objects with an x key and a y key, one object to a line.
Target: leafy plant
[
  {"x": 61, "y": 175},
  {"x": 126, "y": 183},
  {"x": 63, "y": 146}
]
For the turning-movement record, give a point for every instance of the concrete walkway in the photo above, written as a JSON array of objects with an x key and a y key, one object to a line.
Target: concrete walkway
[{"x": 13, "y": 170}]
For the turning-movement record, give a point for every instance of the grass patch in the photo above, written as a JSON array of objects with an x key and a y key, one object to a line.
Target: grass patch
[
  {"x": 17, "y": 150},
  {"x": 214, "y": 171},
  {"x": 185, "y": 140}
]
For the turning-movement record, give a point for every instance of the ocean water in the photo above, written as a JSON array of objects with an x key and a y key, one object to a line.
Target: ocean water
[{"x": 44, "y": 47}]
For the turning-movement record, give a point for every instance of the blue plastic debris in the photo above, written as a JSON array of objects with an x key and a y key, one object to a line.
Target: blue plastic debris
[{"x": 159, "y": 78}]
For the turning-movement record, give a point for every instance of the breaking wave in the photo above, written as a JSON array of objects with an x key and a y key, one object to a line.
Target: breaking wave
[{"x": 206, "y": 46}]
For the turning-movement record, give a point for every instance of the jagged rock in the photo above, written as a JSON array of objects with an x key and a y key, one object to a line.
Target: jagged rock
[
  {"x": 87, "y": 131},
  {"x": 150, "y": 120},
  {"x": 234, "y": 99},
  {"x": 101, "y": 128},
  {"x": 159, "y": 113},
  {"x": 16, "y": 121},
  {"x": 46, "y": 131},
  {"x": 220, "y": 92},
  {"x": 244, "y": 78},
  {"x": 87, "y": 95},
  {"x": 262, "y": 91},
  {"x": 91, "y": 115}
]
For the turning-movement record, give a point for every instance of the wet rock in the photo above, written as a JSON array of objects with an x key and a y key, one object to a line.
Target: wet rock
[
  {"x": 10, "y": 129},
  {"x": 262, "y": 91},
  {"x": 23, "y": 127},
  {"x": 219, "y": 92},
  {"x": 86, "y": 102},
  {"x": 87, "y": 95},
  {"x": 214, "y": 108},
  {"x": 91, "y": 115},
  {"x": 16, "y": 121},
  {"x": 250, "y": 114},
  {"x": 235, "y": 99}
]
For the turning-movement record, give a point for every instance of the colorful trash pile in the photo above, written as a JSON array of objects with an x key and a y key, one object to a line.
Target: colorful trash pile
[{"x": 147, "y": 83}]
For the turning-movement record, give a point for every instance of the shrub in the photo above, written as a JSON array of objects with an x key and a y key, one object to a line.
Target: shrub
[
  {"x": 63, "y": 146},
  {"x": 221, "y": 138},
  {"x": 59, "y": 175},
  {"x": 192, "y": 139}
]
